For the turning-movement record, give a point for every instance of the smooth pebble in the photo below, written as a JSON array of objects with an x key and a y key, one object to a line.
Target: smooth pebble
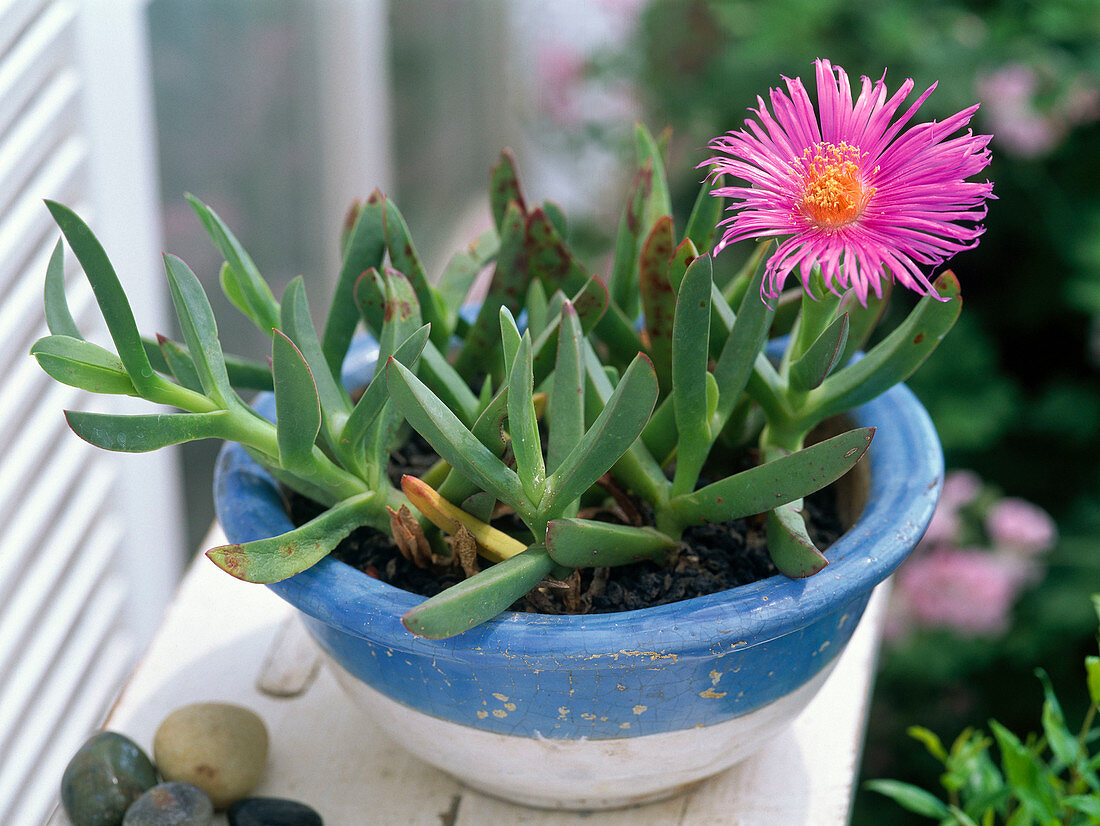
[
  {"x": 219, "y": 747},
  {"x": 171, "y": 804},
  {"x": 272, "y": 811},
  {"x": 106, "y": 775}
]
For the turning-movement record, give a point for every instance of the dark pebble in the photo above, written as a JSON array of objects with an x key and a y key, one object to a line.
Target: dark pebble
[
  {"x": 171, "y": 804},
  {"x": 272, "y": 811},
  {"x": 105, "y": 776}
]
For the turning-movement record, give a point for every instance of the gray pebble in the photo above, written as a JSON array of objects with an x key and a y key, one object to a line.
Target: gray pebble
[{"x": 171, "y": 804}]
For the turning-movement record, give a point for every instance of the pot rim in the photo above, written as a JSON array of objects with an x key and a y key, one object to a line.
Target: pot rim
[{"x": 906, "y": 473}]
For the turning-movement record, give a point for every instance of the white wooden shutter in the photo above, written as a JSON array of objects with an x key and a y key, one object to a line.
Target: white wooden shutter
[{"x": 81, "y": 583}]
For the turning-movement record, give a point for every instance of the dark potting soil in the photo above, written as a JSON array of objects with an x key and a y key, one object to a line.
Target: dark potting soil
[{"x": 711, "y": 558}]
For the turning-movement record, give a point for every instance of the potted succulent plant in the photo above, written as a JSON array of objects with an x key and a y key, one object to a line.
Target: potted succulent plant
[{"x": 579, "y": 423}]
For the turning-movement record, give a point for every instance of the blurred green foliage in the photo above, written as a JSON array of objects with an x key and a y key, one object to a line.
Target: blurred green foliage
[{"x": 1014, "y": 389}]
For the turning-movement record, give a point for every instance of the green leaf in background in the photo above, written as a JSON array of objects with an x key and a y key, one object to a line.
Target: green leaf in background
[
  {"x": 364, "y": 249},
  {"x": 404, "y": 259},
  {"x": 690, "y": 352},
  {"x": 479, "y": 598},
  {"x": 930, "y": 740},
  {"x": 1092, "y": 673},
  {"x": 658, "y": 298},
  {"x": 862, "y": 319},
  {"x": 510, "y": 337},
  {"x": 1062, "y": 742},
  {"x": 789, "y": 544},
  {"x": 894, "y": 358},
  {"x": 910, "y": 797},
  {"x": 461, "y": 271},
  {"x": 79, "y": 363},
  {"x": 659, "y": 203},
  {"x": 1025, "y": 774},
  {"x": 58, "y": 318},
  {"x": 522, "y": 424},
  {"x": 820, "y": 358},
  {"x": 504, "y": 188},
  {"x": 623, "y": 281},
  {"x": 199, "y": 329},
  {"x": 743, "y": 344},
  {"x": 140, "y": 434},
  {"x": 249, "y": 285},
  {"x": 109, "y": 294},
  {"x": 297, "y": 408},
  {"x": 613, "y": 432},
  {"x": 702, "y": 224},
  {"x": 775, "y": 483},
  {"x": 279, "y": 557},
  {"x": 583, "y": 543}
]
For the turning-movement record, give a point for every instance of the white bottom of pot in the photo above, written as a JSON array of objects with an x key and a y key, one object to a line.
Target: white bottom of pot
[{"x": 579, "y": 774}]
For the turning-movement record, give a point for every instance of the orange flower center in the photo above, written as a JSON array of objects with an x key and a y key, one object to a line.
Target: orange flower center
[{"x": 833, "y": 191}]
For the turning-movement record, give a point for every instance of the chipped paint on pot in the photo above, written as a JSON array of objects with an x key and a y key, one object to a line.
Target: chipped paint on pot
[{"x": 628, "y": 695}]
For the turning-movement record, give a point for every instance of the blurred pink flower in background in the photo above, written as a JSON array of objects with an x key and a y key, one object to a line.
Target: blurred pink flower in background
[
  {"x": 1017, "y": 525},
  {"x": 967, "y": 590},
  {"x": 960, "y": 487}
]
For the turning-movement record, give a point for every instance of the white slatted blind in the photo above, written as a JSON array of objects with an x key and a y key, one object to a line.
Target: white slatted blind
[{"x": 80, "y": 584}]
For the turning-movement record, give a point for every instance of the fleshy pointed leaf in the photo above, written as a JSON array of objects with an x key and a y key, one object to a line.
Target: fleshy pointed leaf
[
  {"x": 141, "y": 434},
  {"x": 613, "y": 432},
  {"x": 862, "y": 319},
  {"x": 509, "y": 337},
  {"x": 1061, "y": 740},
  {"x": 565, "y": 416},
  {"x": 894, "y": 358},
  {"x": 742, "y": 346},
  {"x": 522, "y": 424},
  {"x": 369, "y": 294},
  {"x": 180, "y": 364},
  {"x": 199, "y": 329},
  {"x": 910, "y": 797},
  {"x": 623, "y": 281},
  {"x": 404, "y": 259},
  {"x": 690, "y": 352},
  {"x": 58, "y": 318},
  {"x": 454, "y": 443},
  {"x": 682, "y": 257},
  {"x": 821, "y": 358},
  {"x": 658, "y": 298},
  {"x": 480, "y": 597},
  {"x": 463, "y": 268},
  {"x": 244, "y": 373},
  {"x": 775, "y": 483},
  {"x": 297, "y": 408},
  {"x": 263, "y": 309},
  {"x": 495, "y": 545},
  {"x": 537, "y": 306},
  {"x": 232, "y": 289},
  {"x": 364, "y": 249},
  {"x": 583, "y": 543},
  {"x": 279, "y": 557},
  {"x": 789, "y": 544},
  {"x": 504, "y": 188},
  {"x": 79, "y": 363},
  {"x": 109, "y": 294},
  {"x": 659, "y": 203},
  {"x": 702, "y": 225}
]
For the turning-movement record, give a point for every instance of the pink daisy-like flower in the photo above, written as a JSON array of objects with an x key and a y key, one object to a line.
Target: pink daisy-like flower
[{"x": 849, "y": 189}]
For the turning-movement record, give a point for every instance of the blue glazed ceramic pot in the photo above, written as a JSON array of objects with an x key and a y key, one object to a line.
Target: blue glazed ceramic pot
[{"x": 609, "y": 709}]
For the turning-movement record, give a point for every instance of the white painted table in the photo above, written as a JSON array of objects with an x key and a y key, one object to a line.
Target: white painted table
[{"x": 218, "y": 633}]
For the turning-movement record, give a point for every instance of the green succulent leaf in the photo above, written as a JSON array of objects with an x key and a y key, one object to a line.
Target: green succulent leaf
[
  {"x": 364, "y": 249},
  {"x": 504, "y": 188},
  {"x": 743, "y": 344},
  {"x": 509, "y": 337},
  {"x": 623, "y": 281},
  {"x": 244, "y": 373},
  {"x": 508, "y": 286},
  {"x": 1062, "y": 741},
  {"x": 690, "y": 352},
  {"x": 702, "y": 224},
  {"x": 141, "y": 434},
  {"x": 767, "y": 486},
  {"x": 181, "y": 365},
  {"x": 583, "y": 543},
  {"x": 1092, "y": 672},
  {"x": 479, "y": 598},
  {"x": 611, "y": 435},
  {"x": 109, "y": 294},
  {"x": 565, "y": 414},
  {"x": 297, "y": 408},
  {"x": 537, "y": 306},
  {"x": 404, "y": 258},
  {"x": 789, "y": 544},
  {"x": 279, "y": 557},
  {"x": 232, "y": 289},
  {"x": 522, "y": 424},
  {"x": 369, "y": 294},
  {"x": 894, "y": 358},
  {"x": 658, "y": 297},
  {"x": 58, "y": 318},
  {"x": 200, "y": 331},
  {"x": 862, "y": 319},
  {"x": 659, "y": 203},
  {"x": 1086, "y": 804},
  {"x": 682, "y": 257},
  {"x": 249, "y": 286},
  {"x": 556, "y": 216},
  {"x": 454, "y": 443},
  {"x": 821, "y": 358},
  {"x": 461, "y": 271},
  {"x": 79, "y": 363}
]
